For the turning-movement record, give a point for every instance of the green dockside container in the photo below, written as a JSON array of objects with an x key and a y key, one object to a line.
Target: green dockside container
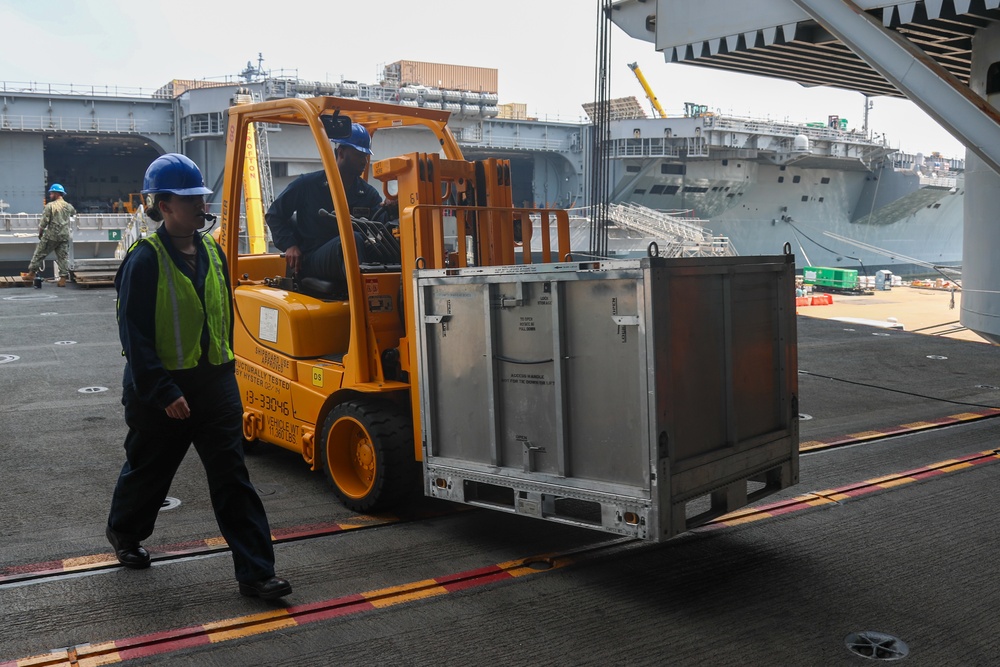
[{"x": 833, "y": 278}]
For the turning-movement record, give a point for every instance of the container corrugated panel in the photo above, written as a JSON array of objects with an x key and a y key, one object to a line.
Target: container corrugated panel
[
  {"x": 449, "y": 77},
  {"x": 639, "y": 397}
]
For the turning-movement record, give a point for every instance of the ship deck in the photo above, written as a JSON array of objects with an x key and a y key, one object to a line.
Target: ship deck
[{"x": 891, "y": 530}]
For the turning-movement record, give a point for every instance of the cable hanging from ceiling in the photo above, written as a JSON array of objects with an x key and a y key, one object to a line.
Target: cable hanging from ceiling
[{"x": 600, "y": 192}]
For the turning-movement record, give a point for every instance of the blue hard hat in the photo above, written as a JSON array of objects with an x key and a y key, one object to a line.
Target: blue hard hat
[
  {"x": 359, "y": 140},
  {"x": 57, "y": 188},
  {"x": 174, "y": 173}
]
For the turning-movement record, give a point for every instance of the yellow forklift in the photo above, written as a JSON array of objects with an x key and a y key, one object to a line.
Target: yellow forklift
[{"x": 333, "y": 376}]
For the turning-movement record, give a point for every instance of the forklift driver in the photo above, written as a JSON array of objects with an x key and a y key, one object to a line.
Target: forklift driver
[{"x": 309, "y": 239}]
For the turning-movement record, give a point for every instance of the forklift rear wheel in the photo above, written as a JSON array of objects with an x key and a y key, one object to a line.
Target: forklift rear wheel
[{"x": 366, "y": 450}]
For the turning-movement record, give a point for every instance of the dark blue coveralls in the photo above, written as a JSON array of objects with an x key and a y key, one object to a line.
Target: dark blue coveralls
[
  {"x": 156, "y": 444},
  {"x": 294, "y": 219}
]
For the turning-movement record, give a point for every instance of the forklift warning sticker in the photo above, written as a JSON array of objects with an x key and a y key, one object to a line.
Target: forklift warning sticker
[
  {"x": 269, "y": 324},
  {"x": 379, "y": 303}
]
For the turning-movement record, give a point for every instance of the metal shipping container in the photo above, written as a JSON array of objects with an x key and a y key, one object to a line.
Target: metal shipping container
[
  {"x": 846, "y": 279},
  {"x": 513, "y": 111},
  {"x": 448, "y": 77},
  {"x": 640, "y": 397}
]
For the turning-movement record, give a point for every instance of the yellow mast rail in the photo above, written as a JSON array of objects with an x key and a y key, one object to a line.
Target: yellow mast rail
[{"x": 252, "y": 196}]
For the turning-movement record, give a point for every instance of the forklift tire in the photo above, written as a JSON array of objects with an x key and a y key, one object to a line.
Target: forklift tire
[{"x": 366, "y": 450}]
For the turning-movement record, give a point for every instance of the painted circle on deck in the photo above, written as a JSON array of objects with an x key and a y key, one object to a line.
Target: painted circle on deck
[
  {"x": 30, "y": 297},
  {"x": 170, "y": 503}
]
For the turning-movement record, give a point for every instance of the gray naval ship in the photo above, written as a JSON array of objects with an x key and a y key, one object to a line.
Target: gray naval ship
[{"x": 839, "y": 197}]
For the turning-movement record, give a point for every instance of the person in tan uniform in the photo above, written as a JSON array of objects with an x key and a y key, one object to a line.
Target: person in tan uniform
[{"x": 53, "y": 235}]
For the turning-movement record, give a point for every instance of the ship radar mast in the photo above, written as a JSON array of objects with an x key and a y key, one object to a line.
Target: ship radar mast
[
  {"x": 250, "y": 72},
  {"x": 868, "y": 106}
]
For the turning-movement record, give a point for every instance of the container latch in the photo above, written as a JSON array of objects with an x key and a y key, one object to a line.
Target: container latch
[{"x": 529, "y": 451}]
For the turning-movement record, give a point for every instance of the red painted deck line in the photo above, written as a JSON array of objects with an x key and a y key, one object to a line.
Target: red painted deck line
[
  {"x": 855, "y": 490},
  {"x": 855, "y": 438},
  {"x": 143, "y": 646},
  {"x": 16, "y": 573}
]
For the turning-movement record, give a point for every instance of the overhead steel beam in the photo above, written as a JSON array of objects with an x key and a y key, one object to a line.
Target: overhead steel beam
[{"x": 963, "y": 113}]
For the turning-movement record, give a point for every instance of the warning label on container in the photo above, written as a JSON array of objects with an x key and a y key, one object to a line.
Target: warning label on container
[
  {"x": 622, "y": 331},
  {"x": 538, "y": 379}
]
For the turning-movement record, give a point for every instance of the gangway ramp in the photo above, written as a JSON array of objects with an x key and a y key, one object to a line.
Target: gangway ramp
[{"x": 682, "y": 237}]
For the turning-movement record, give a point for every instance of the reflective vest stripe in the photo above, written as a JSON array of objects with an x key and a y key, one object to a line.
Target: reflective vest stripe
[
  {"x": 218, "y": 317},
  {"x": 175, "y": 312}
]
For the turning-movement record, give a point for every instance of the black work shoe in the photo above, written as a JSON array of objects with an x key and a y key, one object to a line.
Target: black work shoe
[
  {"x": 271, "y": 588},
  {"x": 129, "y": 554}
]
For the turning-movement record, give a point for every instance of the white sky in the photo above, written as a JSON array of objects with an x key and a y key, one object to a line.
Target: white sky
[{"x": 544, "y": 51}]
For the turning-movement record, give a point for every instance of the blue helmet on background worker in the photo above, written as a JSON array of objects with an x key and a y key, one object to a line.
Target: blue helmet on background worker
[
  {"x": 174, "y": 173},
  {"x": 359, "y": 140},
  {"x": 57, "y": 188}
]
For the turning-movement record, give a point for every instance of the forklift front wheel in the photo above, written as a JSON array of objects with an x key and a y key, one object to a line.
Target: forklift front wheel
[{"x": 366, "y": 450}]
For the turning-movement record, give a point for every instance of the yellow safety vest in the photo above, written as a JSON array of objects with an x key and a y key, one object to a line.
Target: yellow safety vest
[{"x": 180, "y": 316}]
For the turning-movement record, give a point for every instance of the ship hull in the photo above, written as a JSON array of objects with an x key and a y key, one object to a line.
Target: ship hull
[
  {"x": 835, "y": 196},
  {"x": 842, "y": 218}
]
